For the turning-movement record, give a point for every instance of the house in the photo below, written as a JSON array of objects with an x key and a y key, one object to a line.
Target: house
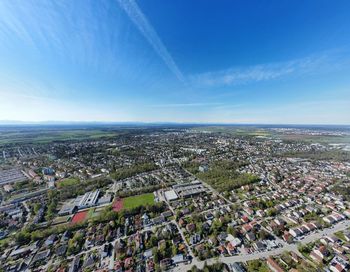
[
  {"x": 205, "y": 227},
  {"x": 177, "y": 240},
  {"x": 296, "y": 232},
  {"x": 65, "y": 236},
  {"x": 234, "y": 241},
  {"x": 165, "y": 263},
  {"x": 105, "y": 250},
  {"x": 329, "y": 239},
  {"x": 245, "y": 219},
  {"x": 148, "y": 254},
  {"x": 209, "y": 216},
  {"x": 260, "y": 213},
  {"x": 237, "y": 267},
  {"x": 347, "y": 236},
  {"x": 89, "y": 261},
  {"x": 61, "y": 250},
  {"x": 338, "y": 249},
  {"x": 145, "y": 219},
  {"x": 259, "y": 246},
  {"x": 230, "y": 249},
  {"x": 150, "y": 266},
  {"x": 339, "y": 264},
  {"x": 191, "y": 227},
  {"x": 319, "y": 254},
  {"x": 250, "y": 236},
  {"x": 128, "y": 263},
  {"x": 213, "y": 241},
  {"x": 40, "y": 256},
  {"x": 203, "y": 168},
  {"x": 347, "y": 213},
  {"x": 273, "y": 265},
  {"x": 287, "y": 237},
  {"x": 179, "y": 258},
  {"x": 158, "y": 220},
  {"x": 118, "y": 266},
  {"x": 195, "y": 239},
  {"x": 182, "y": 223},
  {"x": 294, "y": 257},
  {"x": 75, "y": 264},
  {"x": 246, "y": 228},
  {"x": 167, "y": 214},
  {"x": 222, "y": 250},
  {"x": 310, "y": 226},
  {"x": 50, "y": 240},
  {"x": 222, "y": 237}
]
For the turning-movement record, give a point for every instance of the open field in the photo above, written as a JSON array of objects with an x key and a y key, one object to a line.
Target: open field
[
  {"x": 35, "y": 136},
  {"x": 337, "y": 155},
  {"x": 132, "y": 202},
  {"x": 235, "y": 130},
  {"x": 322, "y": 139},
  {"x": 67, "y": 182},
  {"x": 294, "y": 134},
  {"x": 136, "y": 201},
  {"x": 61, "y": 220},
  {"x": 47, "y": 133}
]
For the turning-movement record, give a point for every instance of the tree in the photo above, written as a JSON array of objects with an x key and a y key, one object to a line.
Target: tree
[
  {"x": 152, "y": 242},
  {"x": 264, "y": 235},
  {"x": 23, "y": 237},
  {"x": 156, "y": 257},
  {"x": 194, "y": 269},
  {"x": 174, "y": 250}
]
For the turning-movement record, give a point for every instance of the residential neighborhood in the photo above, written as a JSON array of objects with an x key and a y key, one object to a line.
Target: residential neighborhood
[{"x": 175, "y": 201}]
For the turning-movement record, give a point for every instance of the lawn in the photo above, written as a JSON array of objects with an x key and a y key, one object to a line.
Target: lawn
[
  {"x": 92, "y": 213},
  {"x": 136, "y": 201},
  {"x": 67, "y": 182}
]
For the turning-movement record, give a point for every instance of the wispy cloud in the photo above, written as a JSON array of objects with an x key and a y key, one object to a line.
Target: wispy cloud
[
  {"x": 182, "y": 105},
  {"x": 265, "y": 72},
  {"x": 139, "y": 19}
]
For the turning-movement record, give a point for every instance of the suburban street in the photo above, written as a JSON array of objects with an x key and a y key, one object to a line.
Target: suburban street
[{"x": 258, "y": 255}]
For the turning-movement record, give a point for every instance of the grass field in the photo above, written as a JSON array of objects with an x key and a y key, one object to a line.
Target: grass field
[
  {"x": 327, "y": 139},
  {"x": 236, "y": 131},
  {"x": 267, "y": 132},
  {"x": 67, "y": 182},
  {"x": 136, "y": 201},
  {"x": 45, "y": 134}
]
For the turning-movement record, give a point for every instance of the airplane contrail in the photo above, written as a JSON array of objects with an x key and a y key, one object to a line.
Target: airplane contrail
[{"x": 141, "y": 22}]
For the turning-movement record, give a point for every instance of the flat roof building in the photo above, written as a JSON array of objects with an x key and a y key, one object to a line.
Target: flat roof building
[{"x": 170, "y": 195}]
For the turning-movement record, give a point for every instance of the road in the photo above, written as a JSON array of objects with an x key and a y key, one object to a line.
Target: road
[
  {"x": 258, "y": 255},
  {"x": 179, "y": 229}
]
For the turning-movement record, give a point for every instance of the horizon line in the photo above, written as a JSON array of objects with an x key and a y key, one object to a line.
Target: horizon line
[{"x": 60, "y": 122}]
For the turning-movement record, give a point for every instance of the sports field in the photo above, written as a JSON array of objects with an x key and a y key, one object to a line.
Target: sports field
[
  {"x": 79, "y": 217},
  {"x": 67, "y": 182},
  {"x": 117, "y": 205},
  {"x": 136, "y": 201},
  {"x": 133, "y": 202}
]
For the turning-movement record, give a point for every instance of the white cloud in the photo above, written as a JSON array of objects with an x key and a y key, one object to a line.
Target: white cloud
[
  {"x": 264, "y": 72},
  {"x": 141, "y": 22},
  {"x": 181, "y": 105}
]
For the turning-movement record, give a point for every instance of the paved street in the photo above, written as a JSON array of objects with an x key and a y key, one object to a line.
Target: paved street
[{"x": 258, "y": 255}]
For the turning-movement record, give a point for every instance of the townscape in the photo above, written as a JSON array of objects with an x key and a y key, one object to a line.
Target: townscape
[{"x": 177, "y": 199}]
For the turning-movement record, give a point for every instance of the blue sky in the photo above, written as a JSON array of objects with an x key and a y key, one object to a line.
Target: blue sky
[{"x": 181, "y": 61}]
